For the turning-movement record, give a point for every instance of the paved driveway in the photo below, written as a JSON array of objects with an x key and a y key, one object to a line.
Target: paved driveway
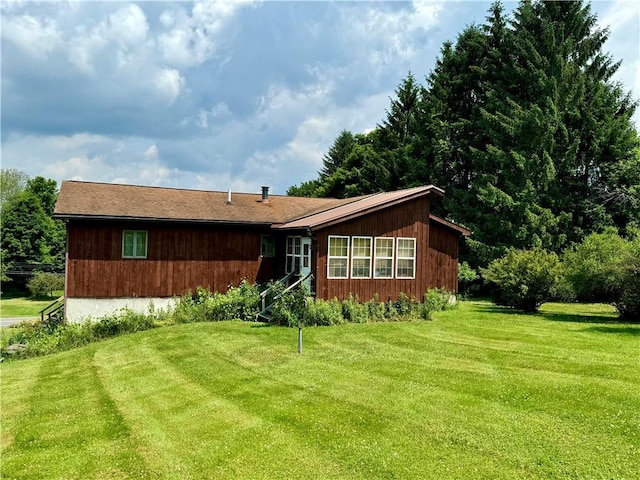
[{"x": 5, "y": 322}]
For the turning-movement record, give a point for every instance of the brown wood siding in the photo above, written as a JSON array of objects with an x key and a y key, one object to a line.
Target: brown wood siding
[
  {"x": 443, "y": 258},
  {"x": 436, "y": 264},
  {"x": 407, "y": 220},
  {"x": 179, "y": 258}
]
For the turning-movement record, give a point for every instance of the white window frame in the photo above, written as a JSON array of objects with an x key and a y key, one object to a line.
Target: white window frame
[
  {"x": 376, "y": 257},
  {"x": 136, "y": 235},
  {"x": 267, "y": 246},
  {"x": 367, "y": 257},
  {"x": 413, "y": 258},
  {"x": 293, "y": 255},
  {"x": 330, "y": 257}
]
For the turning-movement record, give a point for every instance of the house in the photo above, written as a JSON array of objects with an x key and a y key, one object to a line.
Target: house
[{"x": 134, "y": 245}]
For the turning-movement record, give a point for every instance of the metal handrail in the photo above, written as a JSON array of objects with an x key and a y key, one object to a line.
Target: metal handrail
[
  {"x": 55, "y": 304},
  {"x": 263, "y": 294},
  {"x": 295, "y": 284},
  {"x": 290, "y": 287}
]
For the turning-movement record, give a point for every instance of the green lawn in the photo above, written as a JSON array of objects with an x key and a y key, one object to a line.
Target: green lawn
[
  {"x": 21, "y": 305},
  {"x": 480, "y": 392}
]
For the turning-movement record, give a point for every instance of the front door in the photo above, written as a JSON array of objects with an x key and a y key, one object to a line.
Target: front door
[
  {"x": 299, "y": 256},
  {"x": 305, "y": 264}
]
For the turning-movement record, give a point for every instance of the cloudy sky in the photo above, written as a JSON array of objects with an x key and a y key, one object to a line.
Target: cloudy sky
[{"x": 221, "y": 95}]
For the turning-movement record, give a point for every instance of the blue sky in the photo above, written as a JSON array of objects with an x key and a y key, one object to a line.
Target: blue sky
[{"x": 221, "y": 95}]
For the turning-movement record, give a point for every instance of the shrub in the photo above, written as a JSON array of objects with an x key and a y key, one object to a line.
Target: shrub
[
  {"x": 289, "y": 307},
  {"x": 606, "y": 268},
  {"x": 43, "y": 284},
  {"x": 377, "y": 310},
  {"x": 524, "y": 279},
  {"x": 124, "y": 321},
  {"x": 323, "y": 313},
  {"x": 406, "y": 306},
  {"x": 241, "y": 302},
  {"x": 467, "y": 278},
  {"x": 41, "y": 339},
  {"x": 353, "y": 311},
  {"x": 437, "y": 300}
]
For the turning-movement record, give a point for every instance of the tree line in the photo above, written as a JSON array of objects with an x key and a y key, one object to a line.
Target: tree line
[
  {"x": 31, "y": 239},
  {"x": 522, "y": 124}
]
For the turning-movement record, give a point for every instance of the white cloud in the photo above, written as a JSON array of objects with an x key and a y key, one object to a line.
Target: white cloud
[
  {"x": 37, "y": 37},
  {"x": 622, "y": 17},
  {"x": 194, "y": 37},
  {"x": 169, "y": 83},
  {"x": 128, "y": 26},
  {"x": 116, "y": 43},
  {"x": 151, "y": 153},
  {"x": 218, "y": 94}
]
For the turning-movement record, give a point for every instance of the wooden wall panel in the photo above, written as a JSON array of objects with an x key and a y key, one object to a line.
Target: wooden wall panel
[
  {"x": 178, "y": 259},
  {"x": 443, "y": 271},
  {"x": 408, "y": 220},
  {"x": 436, "y": 254}
]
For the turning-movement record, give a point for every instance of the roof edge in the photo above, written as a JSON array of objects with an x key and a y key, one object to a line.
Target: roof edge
[
  {"x": 417, "y": 193},
  {"x": 114, "y": 218},
  {"x": 453, "y": 226}
]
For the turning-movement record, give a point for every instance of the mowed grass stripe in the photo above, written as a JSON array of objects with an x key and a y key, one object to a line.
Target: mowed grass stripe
[
  {"x": 70, "y": 427},
  {"x": 371, "y": 385},
  {"x": 223, "y": 439},
  {"x": 473, "y": 394},
  {"x": 348, "y": 410}
]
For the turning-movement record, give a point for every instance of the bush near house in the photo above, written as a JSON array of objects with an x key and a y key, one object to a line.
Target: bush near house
[{"x": 292, "y": 308}]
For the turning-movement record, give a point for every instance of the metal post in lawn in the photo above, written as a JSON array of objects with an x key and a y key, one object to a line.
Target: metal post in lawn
[{"x": 299, "y": 338}]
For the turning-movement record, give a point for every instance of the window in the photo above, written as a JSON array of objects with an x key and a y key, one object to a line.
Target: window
[
  {"x": 361, "y": 257},
  {"x": 383, "y": 263},
  {"x": 134, "y": 244},
  {"x": 406, "y": 258},
  {"x": 267, "y": 246},
  {"x": 294, "y": 252},
  {"x": 338, "y": 259}
]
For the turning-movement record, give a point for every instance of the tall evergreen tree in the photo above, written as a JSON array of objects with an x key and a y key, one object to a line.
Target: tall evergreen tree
[
  {"x": 522, "y": 125},
  {"x": 337, "y": 154}
]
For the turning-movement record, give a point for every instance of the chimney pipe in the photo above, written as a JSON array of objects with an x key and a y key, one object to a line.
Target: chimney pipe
[
  {"x": 265, "y": 194},
  {"x": 229, "y": 197}
]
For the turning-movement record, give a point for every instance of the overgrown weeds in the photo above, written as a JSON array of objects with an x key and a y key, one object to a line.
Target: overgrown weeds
[{"x": 289, "y": 308}]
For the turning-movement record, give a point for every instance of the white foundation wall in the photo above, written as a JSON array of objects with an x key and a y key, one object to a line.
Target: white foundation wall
[{"x": 79, "y": 309}]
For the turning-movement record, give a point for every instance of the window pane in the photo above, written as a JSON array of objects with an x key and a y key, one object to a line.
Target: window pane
[
  {"x": 361, "y": 247},
  {"x": 384, "y": 247},
  {"x": 338, "y": 247},
  {"x": 406, "y": 247},
  {"x": 405, "y": 268},
  {"x": 141, "y": 244},
  {"x": 361, "y": 268},
  {"x": 338, "y": 267},
  {"x": 267, "y": 246},
  {"x": 384, "y": 268},
  {"x": 127, "y": 242}
]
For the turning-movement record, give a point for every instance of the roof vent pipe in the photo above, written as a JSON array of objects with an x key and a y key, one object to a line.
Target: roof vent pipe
[
  {"x": 229, "y": 197},
  {"x": 265, "y": 194}
]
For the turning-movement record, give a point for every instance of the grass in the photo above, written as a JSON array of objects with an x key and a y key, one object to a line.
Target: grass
[
  {"x": 481, "y": 392},
  {"x": 22, "y": 305}
]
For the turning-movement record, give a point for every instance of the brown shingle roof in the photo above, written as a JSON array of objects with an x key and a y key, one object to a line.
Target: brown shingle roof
[
  {"x": 114, "y": 201},
  {"x": 89, "y": 200}
]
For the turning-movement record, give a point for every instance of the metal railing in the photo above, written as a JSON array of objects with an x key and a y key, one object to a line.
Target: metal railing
[
  {"x": 263, "y": 296},
  {"x": 53, "y": 309}
]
